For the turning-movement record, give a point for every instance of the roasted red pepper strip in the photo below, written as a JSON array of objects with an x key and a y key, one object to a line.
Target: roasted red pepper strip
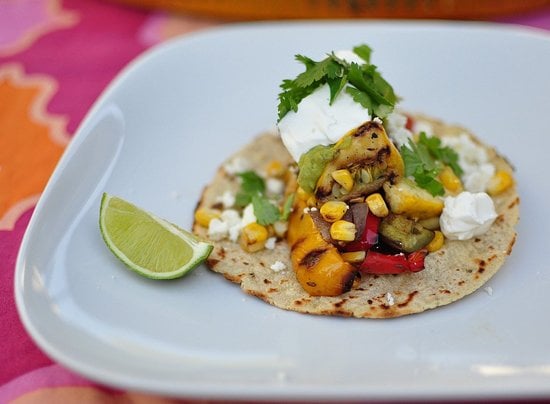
[
  {"x": 383, "y": 264},
  {"x": 416, "y": 260},
  {"x": 369, "y": 236},
  {"x": 410, "y": 123}
]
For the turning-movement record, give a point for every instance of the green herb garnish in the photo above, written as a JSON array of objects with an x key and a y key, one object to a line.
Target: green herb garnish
[
  {"x": 425, "y": 159},
  {"x": 251, "y": 184},
  {"x": 363, "y": 82},
  {"x": 287, "y": 207},
  {"x": 265, "y": 212},
  {"x": 253, "y": 191}
]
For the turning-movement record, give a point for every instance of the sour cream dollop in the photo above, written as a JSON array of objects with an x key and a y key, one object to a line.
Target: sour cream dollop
[
  {"x": 467, "y": 215},
  {"x": 318, "y": 123}
]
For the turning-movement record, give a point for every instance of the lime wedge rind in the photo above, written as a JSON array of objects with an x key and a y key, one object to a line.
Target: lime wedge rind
[{"x": 200, "y": 249}]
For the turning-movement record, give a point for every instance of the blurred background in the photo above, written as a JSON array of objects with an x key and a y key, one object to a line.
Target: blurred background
[{"x": 322, "y": 9}]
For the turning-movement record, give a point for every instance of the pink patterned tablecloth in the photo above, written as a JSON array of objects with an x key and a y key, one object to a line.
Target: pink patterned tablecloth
[{"x": 56, "y": 56}]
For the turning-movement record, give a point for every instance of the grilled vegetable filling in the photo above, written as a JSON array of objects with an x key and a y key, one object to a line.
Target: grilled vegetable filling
[{"x": 355, "y": 214}]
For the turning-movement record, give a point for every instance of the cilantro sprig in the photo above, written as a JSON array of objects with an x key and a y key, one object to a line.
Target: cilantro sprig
[
  {"x": 362, "y": 81},
  {"x": 253, "y": 191},
  {"x": 425, "y": 159}
]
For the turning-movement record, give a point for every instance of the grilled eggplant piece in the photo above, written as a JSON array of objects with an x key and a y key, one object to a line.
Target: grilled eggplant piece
[
  {"x": 371, "y": 158},
  {"x": 404, "y": 234}
]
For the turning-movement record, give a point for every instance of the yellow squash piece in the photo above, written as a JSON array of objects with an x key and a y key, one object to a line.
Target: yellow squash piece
[
  {"x": 405, "y": 198},
  {"x": 370, "y": 158},
  {"x": 318, "y": 265}
]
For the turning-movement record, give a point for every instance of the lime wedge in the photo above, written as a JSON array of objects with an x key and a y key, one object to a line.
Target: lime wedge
[{"x": 147, "y": 244}]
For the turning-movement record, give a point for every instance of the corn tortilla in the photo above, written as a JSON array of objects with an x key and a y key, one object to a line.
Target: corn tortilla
[{"x": 454, "y": 271}]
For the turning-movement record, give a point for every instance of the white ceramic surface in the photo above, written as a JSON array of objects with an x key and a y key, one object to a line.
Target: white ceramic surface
[{"x": 156, "y": 136}]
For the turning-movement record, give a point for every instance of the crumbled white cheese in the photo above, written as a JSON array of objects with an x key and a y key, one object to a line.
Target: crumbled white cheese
[
  {"x": 248, "y": 215},
  {"x": 274, "y": 186},
  {"x": 236, "y": 165},
  {"x": 270, "y": 243},
  {"x": 227, "y": 199},
  {"x": 389, "y": 299},
  {"x": 230, "y": 216},
  {"x": 235, "y": 232},
  {"x": 489, "y": 290},
  {"x": 217, "y": 229},
  {"x": 467, "y": 215},
  {"x": 278, "y": 266},
  {"x": 280, "y": 228},
  {"x": 318, "y": 123},
  {"x": 396, "y": 129},
  {"x": 230, "y": 224},
  {"x": 420, "y": 126},
  {"x": 474, "y": 162},
  {"x": 476, "y": 179}
]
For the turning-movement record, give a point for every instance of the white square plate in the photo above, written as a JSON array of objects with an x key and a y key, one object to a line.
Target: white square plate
[{"x": 156, "y": 137}]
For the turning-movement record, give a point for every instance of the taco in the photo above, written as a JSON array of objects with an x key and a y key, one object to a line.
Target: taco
[{"x": 401, "y": 214}]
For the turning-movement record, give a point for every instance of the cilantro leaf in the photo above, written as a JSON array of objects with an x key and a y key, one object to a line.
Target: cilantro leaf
[
  {"x": 368, "y": 81},
  {"x": 364, "y": 52},
  {"x": 336, "y": 85},
  {"x": 417, "y": 156},
  {"x": 318, "y": 72},
  {"x": 363, "y": 82},
  {"x": 426, "y": 179},
  {"x": 412, "y": 161},
  {"x": 242, "y": 199},
  {"x": 360, "y": 97},
  {"x": 425, "y": 159},
  {"x": 287, "y": 207},
  {"x": 291, "y": 97},
  {"x": 307, "y": 62},
  {"x": 253, "y": 191},
  {"x": 265, "y": 212},
  {"x": 251, "y": 184},
  {"x": 444, "y": 154}
]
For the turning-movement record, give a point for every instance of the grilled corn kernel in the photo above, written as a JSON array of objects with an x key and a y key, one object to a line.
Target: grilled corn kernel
[
  {"x": 342, "y": 230},
  {"x": 354, "y": 257},
  {"x": 253, "y": 237},
  {"x": 275, "y": 169},
  {"x": 377, "y": 205},
  {"x": 203, "y": 216},
  {"x": 500, "y": 182},
  {"x": 333, "y": 210},
  {"x": 344, "y": 178},
  {"x": 450, "y": 180},
  {"x": 437, "y": 242}
]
